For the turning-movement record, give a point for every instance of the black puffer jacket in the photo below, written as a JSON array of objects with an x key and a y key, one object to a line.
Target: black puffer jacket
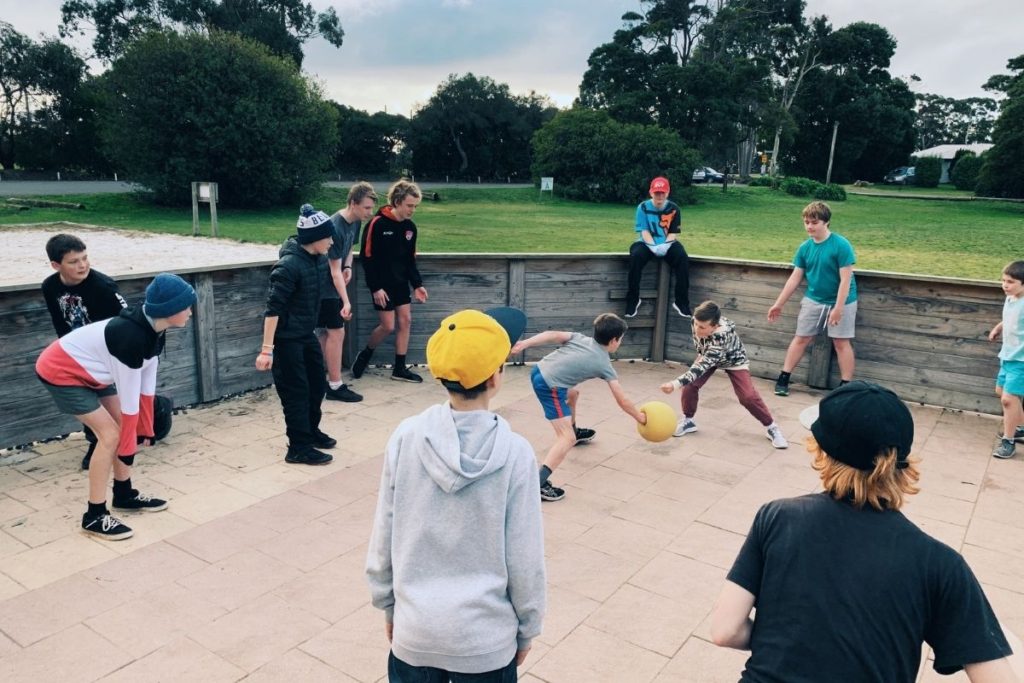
[{"x": 294, "y": 295}]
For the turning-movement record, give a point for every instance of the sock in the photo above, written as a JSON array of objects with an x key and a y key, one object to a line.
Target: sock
[
  {"x": 399, "y": 360},
  {"x": 123, "y": 489},
  {"x": 784, "y": 377},
  {"x": 336, "y": 385},
  {"x": 368, "y": 351},
  {"x": 545, "y": 472},
  {"x": 97, "y": 509}
]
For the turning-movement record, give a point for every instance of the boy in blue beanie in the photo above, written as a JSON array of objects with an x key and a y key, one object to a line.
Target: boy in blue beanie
[{"x": 105, "y": 375}]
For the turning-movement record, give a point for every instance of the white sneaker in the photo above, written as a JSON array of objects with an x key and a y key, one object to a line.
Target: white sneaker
[
  {"x": 685, "y": 426},
  {"x": 775, "y": 436}
]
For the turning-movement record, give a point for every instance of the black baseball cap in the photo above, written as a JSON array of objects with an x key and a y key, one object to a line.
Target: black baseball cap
[{"x": 859, "y": 420}]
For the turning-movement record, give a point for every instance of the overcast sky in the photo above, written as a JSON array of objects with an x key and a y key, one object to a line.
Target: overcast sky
[{"x": 396, "y": 52}]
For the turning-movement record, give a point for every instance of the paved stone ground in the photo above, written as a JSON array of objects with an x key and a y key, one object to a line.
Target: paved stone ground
[{"x": 255, "y": 571}]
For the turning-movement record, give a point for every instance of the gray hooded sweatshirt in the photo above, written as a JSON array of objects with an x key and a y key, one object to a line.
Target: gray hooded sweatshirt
[{"x": 456, "y": 558}]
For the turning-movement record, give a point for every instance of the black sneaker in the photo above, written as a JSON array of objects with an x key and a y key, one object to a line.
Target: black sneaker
[
  {"x": 321, "y": 440},
  {"x": 107, "y": 527},
  {"x": 88, "y": 456},
  {"x": 307, "y": 456},
  {"x": 404, "y": 374},
  {"x": 139, "y": 502},
  {"x": 583, "y": 435},
  {"x": 549, "y": 492},
  {"x": 633, "y": 309},
  {"x": 343, "y": 393},
  {"x": 362, "y": 360},
  {"x": 781, "y": 387}
]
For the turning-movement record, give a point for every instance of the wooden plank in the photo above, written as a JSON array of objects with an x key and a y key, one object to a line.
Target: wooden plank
[
  {"x": 657, "y": 353},
  {"x": 204, "y": 326},
  {"x": 819, "y": 362}
]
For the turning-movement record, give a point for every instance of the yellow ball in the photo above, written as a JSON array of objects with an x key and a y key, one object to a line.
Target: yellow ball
[{"x": 661, "y": 421}]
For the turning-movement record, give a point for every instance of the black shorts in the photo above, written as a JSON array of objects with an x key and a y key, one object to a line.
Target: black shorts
[
  {"x": 330, "y": 315},
  {"x": 399, "y": 296}
]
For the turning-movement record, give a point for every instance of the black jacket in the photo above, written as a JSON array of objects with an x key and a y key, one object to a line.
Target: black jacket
[
  {"x": 388, "y": 253},
  {"x": 131, "y": 338},
  {"x": 294, "y": 295}
]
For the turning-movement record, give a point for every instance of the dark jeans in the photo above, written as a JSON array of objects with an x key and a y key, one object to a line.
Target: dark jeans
[
  {"x": 300, "y": 382},
  {"x": 400, "y": 672},
  {"x": 678, "y": 261}
]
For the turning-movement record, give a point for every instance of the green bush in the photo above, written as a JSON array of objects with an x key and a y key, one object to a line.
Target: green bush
[
  {"x": 927, "y": 171},
  {"x": 594, "y": 158},
  {"x": 762, "y": 181},
  {"x": 830, "y": 193},
  {"x": 217, "y": 107},
  {"x": 965, "y": 174},
  {"x": 800, "y": 187}
]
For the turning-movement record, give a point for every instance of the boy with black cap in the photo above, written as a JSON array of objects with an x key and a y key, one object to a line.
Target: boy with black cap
[
  {"x": 846, "y": 588},
  {"x": 81, "y": 369},
  {"x": 456, "y": 558},
  {"x": 293, "y": 303}
]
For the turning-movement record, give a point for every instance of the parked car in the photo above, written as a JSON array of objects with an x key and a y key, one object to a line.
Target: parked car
[
  {"x": 904, "y": 175},
  {"x": 706, "y": 174}
]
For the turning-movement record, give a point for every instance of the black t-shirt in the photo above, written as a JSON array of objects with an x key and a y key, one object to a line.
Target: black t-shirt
[
  {"x": 849, "y": 595},
  {"x": 93, "y": 299}
]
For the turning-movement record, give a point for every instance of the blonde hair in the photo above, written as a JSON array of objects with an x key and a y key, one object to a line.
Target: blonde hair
[
  {"x": 402, "y": 189},
  {"x": 883, "y": 488}
]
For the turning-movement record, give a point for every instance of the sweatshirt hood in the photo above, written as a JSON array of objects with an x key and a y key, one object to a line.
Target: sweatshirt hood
[{"x": 458, "y": 448}]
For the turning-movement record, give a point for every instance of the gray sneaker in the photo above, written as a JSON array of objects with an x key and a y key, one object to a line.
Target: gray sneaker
[
  {"x": 1018, "y": 436},
  {"x": 774, "y": 434},
  {"x": 1004, "y": 450},
  {"x": 685, "y": 426}
]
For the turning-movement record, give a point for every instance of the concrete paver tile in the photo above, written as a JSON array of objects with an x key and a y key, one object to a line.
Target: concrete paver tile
[
  {"x": 681, "y": 579},
  {"x": 271, "y": 480},
  {"x": 716, "y": 470},
  {"x": 66, "y": 490},
  {"x": 195, "y": 476},
  {"x": 625, "y": 539},
  {"x": 708, "y": 544},
  {"x": 613, "y": 484},
  {"x": 994, "y": 567},
  {"x": 342, "y": 487},
  {"x": 355, "y": 645},
  {"x": 939, "y": 507},
  {"x": 12, "y": 509},
  {"x": 212, "y": 502},
  {"x": 658, "y": 512},
  {"x": 259, "y": 631},
  {"x": 56, "y": 560},
  {"x": 9, "y": 587},
  {"x": 150, "y": 529},
  {"x": 334, "y": 590},
  {"x": 10, "y": 545},
  {"x": 735, "y": 510},
  {"x": 646, "y": 619},
  {"x": 7, "y": 646},
  {"x": 53, "y": 463},
  {"x": 596, "y": 657},
  {"x": 670, "y": 458},
  {"x": 45, "y": 526},
  {"x": 566, "y": 610},
  {"x": 356, "y": 517},
  {"x": 588, "y": 572},
  {"x": 1007, "y": 538},
  {"x": 75, "y": 654},
  {"x": 251, "y": 457},
  {"x": 38, "y": 614},
  {"x": 697, "y": 494},
  {"x": 11, "y": 478},
  {"x": 558, "y": 531},
  {"x": 702, "y": 662},
  {"x": 221, "y": 538},
  {"x": 312, "y": 545},
  {"x": 296, "y": 665},
  {"x": 145, "y": 570},
  {"x": 157, "y": 618},
  {"x": 232, "y": 435},
  {"x": 579, "y": 505},
  {"x": 950, "y": 534},
  {"x": 183, "y": 661},
  {"x": 287, "y": 510},
  {"x": 239, "y": 579}
]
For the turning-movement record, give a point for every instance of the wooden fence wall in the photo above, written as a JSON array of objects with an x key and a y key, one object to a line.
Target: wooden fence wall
[{"x": 924, "y": 337}]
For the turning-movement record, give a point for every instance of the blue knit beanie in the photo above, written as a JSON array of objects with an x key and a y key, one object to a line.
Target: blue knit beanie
[
  {"x": 167, "y": 295},
  {"x": 313, "y": 225}
]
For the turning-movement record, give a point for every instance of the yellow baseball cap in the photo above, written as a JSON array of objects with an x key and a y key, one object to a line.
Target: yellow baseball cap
[{"x": 471, "y": 345}]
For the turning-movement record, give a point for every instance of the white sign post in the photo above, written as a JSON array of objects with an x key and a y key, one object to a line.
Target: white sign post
[
  {"x": 547, "y": 185},
  {"x": 207, "y": 193}
]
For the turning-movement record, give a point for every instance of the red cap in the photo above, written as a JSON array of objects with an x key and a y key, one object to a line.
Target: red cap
[{"x": 660, "y": 184}]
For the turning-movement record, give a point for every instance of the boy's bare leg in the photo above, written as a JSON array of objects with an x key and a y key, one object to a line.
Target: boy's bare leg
[
  {"x": 108, "y": 433},
  {"x": 330, "y": 343},
  {"x": 113, "y": 406},
  {"x": 847, "y": 361},
  {"x": 385, "y": 326},
  {"x": 795, "y": 352},
  {"x": 571, "y": 397},
  {"x": 565, "y": 439},
  {"x": 403, "y": 324},
  {"x": 1013, "y": 412}
]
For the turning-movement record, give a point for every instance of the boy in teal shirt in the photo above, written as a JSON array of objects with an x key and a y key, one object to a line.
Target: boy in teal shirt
[
  {"x": 1010, "y": 382},
  {"x": 830, "y": 302}
]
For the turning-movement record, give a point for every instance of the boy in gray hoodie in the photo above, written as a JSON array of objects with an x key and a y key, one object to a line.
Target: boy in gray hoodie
[{"x": 456, "y": 558}]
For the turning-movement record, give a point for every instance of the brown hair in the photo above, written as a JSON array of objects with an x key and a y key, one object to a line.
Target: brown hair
[
  {"x": 398, "y": 192},
  {"x": 60, "y": 245},
  {"x": 818, "y": 210},
  {"x": 1015, "y": 270},
  {"x": 360, "y": 191},
  {"x": 708, "y": 312},
  {"x": 607, "y": 327},
  {"x": 883, "y": 488}
]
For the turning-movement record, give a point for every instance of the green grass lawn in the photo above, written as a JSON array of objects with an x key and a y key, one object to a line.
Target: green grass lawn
[{"x": 962, "y": 239}]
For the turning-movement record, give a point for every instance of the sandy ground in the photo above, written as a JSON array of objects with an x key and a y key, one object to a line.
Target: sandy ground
[{"x": 120, "y": 252}]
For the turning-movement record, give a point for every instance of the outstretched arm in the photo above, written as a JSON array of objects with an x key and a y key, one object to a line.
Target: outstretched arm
[
  {"x": 787, "y": 291},
  {"x": 624, "y": 402},
  {"x": 549, "y": 337}
]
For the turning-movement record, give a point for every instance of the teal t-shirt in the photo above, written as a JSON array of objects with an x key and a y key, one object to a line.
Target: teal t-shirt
[
  {"x": 1013, "y": 330},
  {"x": 821, "y": 263}
]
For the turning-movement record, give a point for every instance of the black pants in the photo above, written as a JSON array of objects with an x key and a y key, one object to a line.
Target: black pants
[
  {"x": 299, "y": 379},
  {"x": 400, "y": 672},
  {"x": 678, "y": 261}
]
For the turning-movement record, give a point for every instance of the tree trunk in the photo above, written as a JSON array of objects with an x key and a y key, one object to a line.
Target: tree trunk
[{"x": 458, "y": 148}]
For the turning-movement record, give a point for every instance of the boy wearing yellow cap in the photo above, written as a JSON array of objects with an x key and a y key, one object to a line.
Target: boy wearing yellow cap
[{"x": 456, "y": 558}]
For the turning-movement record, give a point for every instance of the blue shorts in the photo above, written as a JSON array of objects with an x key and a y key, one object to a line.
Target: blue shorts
[
  {"x": 1011, "y": 377},
  {"x": 552, "y": 399}
]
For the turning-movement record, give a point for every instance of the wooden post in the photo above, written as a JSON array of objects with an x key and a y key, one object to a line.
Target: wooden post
[
  {"x": 205, "y": 329},
  {"x": 213, "y": 207},
  {"x": 831, "y": 152},
  {"x": 517, "y": 292},
  {"x": 195, "y": 209},
  {"x": 820, "y": 363},
  {"x": 660, "y": 314}
]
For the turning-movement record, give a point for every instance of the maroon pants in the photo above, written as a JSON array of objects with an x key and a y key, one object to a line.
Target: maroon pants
[{"x": 741, "y": 384}]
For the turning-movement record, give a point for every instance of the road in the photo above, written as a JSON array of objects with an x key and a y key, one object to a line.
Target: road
[{"x": 36, "y": 188}]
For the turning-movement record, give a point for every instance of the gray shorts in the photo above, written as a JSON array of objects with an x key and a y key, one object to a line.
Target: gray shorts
[
  {"x": 813, "y": 319},
  {"x": 78, "y": 400}
]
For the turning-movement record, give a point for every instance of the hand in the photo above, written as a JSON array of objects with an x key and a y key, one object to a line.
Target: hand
[
  {"x": 389, "y": 630},
  {"x": 521, "y": 656},
  {"x": 420, "y": 294},
  {"x": 346, "y": 275},
  {"x": 668, "y": 387},
  {"x": 346, "y": 311},
  {"x": 145, "y": 441},
  {"x": 380, "y": 297},
  {"x": 643, "y": 418},
  {"x": 518, "y": 347},
  {"x": 264, "y": 362},
  {"x": 774, "y": 312},
  {"x": 995, "y": 333},
  {"x": 835, "y": 316}
]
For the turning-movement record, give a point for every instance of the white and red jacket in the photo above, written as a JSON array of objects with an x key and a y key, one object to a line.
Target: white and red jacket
[{"x": 123, "y": 351}]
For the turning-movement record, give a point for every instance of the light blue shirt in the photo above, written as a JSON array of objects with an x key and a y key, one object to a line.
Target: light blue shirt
[{"x": 1013, "y": 330}]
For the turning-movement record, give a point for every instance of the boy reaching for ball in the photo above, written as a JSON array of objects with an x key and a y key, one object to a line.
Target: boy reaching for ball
[
  {"x": 555, "y": 377},
  {"x": 718, "y": 346}
]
